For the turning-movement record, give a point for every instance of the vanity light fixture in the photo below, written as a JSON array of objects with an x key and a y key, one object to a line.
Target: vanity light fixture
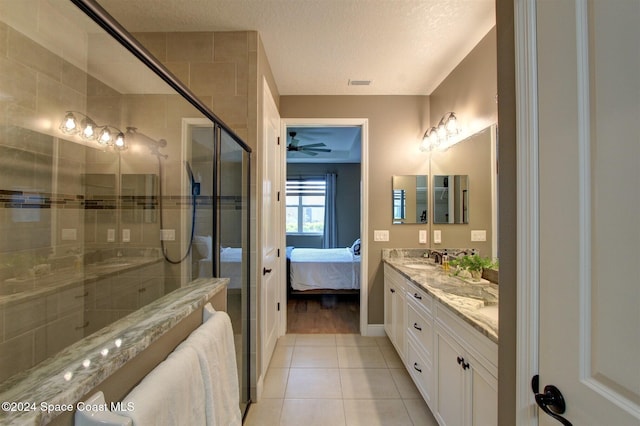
[
  {"x": 439, "y": 137},
  {"x": 105, "y": 135}
]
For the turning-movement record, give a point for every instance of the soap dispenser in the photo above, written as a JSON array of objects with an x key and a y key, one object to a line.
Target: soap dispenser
[{"x": 445, "y": 261}]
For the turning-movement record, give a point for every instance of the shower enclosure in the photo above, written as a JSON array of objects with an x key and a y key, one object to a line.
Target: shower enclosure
[{"x": 117, "y": 185}]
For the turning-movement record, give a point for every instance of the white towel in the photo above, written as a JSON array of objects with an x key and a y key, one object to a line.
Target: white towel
[
  {"x": 213, "y": 342},
  {"x": 171, "y": 394}
]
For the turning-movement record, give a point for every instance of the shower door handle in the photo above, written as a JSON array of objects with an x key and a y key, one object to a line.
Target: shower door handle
[{"x": 266, "y": 271}]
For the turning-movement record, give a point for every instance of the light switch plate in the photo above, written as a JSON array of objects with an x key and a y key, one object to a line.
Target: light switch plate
[
  {"x": 437, "y": 236},
  {"x": 69, "y": 234},
  {"x": 478, "y": 235},
  {"x": 126, "y": 235},
  {"x": 381, "y": 235},
  {"x": 111, "y": 235},
  {"x": 168, "y": 234},
  {"x": 422, "y": 236}
]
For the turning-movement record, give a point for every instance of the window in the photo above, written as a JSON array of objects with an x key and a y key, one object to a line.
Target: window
[{"x": 305, "y": 205}]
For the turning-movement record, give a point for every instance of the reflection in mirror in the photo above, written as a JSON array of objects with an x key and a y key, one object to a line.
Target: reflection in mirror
[
  {"x": 410, "y": 199},
  {"x": 139, "y": 198},
  {"x": 451, "y": 199}
]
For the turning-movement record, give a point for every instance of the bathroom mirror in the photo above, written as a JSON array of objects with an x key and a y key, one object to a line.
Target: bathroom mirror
[
  {"x": 139, "y": 198},
  {"x": 451, "y": 199},
  {"x": 409, "y": 195}
]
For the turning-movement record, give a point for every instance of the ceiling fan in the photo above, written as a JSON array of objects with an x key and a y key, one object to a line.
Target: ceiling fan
[{"x": 310, "y": 149}]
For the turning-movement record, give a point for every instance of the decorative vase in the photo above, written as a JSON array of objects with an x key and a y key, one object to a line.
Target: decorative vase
[{"x": 476, "y": 275}]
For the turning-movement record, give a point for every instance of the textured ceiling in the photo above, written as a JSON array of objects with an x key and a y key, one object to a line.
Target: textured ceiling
[{"x": 406, "y": 47}]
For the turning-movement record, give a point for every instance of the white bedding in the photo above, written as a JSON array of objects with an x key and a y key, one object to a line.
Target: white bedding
[
  {"x": 315, "y": 269},
  {"x": 230, "y": 265}
]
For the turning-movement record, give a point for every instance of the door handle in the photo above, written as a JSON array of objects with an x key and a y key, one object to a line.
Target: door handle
[
  {"x": 551, "y": 401},
  {"x": 415, "y": 325},
  {"x": 417, "y": 296},
  {"x": 266, "y": 271}
]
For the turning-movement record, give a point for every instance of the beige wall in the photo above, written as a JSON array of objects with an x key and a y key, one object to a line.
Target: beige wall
[
  {"x": 396, "y": 126},
  {"x": 470, "y": 90}
]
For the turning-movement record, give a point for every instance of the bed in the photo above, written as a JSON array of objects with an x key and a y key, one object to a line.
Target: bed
[{"x": 323, "y": 270}]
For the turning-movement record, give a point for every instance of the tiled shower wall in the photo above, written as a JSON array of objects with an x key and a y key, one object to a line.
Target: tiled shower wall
[{"x": 223, "y": 70}]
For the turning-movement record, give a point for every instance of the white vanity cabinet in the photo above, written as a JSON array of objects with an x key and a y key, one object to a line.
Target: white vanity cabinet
[
  {"x": 454, "y": 365},
  {"x": 465, "y": 373},
  {"x": 395, "y": 302}
]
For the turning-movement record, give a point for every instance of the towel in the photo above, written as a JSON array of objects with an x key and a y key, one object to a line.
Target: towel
[
  {"x": 171, "y": 394},
  {"x": 94, "y": 414},
  {"x": 213, "y": 342}
]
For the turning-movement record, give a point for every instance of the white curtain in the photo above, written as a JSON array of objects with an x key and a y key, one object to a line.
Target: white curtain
[{"x": 330, "y": 239}]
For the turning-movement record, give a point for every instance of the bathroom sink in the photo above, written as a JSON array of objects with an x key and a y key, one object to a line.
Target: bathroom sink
[{"x": 422, "y": 266}]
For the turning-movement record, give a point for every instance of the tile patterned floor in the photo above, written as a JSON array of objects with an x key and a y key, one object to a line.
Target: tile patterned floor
[{"x": 338, "y": 379}]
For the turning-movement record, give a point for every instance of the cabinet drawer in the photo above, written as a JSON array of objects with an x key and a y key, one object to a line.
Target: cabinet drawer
[
  {"x": 421, "y": 297},
  {"x": 421, "y": 371},
  {"x": 420, "y": 326}
]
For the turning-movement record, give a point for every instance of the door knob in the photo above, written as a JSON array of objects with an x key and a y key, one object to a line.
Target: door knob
[
  {"x": 266, "y": 271},
  {"x": 551, "y": 401}
]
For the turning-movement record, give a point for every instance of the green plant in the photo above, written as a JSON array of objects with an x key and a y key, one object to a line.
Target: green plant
[{"x": 472, "y": 263}]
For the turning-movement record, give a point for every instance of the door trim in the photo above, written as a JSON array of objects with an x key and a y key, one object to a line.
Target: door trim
[
  {"x": 364, "y": 208},
  {"x": 528, "y": 280}
]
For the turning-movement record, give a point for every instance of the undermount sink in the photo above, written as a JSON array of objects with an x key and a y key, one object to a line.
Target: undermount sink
[{"x": 419, "y": 266}]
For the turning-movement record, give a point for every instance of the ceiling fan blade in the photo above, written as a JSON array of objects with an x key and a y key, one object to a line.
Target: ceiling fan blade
[
  {"x": 313, "y": 154},
  {"x": 313, "y": 145},
  {"x": 303, "y": 149}
]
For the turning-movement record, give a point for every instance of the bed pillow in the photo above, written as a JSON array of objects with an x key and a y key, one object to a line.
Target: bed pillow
[{"x": 355, "y": 247}]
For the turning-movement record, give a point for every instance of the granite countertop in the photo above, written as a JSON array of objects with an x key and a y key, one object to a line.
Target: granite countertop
[
  {"x": 474, "y": 302},
  {"x": 60, "y": 381}
]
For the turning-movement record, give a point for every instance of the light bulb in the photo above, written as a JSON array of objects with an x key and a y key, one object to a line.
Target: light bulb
[
  {"x": 452, "y": 125},
  {"x": 69, "y": 124},
  {"x": 120, "y": 140},
  {"x": 88, "y": 132},
  {"x": 105, "y": 136}
]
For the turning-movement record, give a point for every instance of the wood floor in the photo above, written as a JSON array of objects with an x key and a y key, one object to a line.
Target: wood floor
[{"x": 323, "y": 314}]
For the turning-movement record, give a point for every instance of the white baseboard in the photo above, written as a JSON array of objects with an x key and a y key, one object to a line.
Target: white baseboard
[{"x": 375, "y": 330}]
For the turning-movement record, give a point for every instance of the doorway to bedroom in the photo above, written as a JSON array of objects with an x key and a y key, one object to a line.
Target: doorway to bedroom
[{"x": 323, "y": 193}]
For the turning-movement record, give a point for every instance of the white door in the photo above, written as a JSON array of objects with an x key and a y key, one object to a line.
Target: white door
[
  {"x": 588, "y": 65},
  {"x": 270, "y": 225}
]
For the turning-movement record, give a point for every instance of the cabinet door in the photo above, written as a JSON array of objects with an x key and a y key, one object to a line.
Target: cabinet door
[
  {"x": 400, "y": 322},
  {"x": 450, "y": 397},
  {"x": 389, "y": 292},
  {"x": 484, "y": 395}
]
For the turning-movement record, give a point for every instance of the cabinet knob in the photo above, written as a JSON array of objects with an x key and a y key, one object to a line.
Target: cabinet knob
[
  {"x": 392, "y": 290},
  {"x": 462, "y": 363}
]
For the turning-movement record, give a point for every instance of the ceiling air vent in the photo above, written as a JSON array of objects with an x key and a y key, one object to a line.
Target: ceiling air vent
[{"x": 360, "y": 82}]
